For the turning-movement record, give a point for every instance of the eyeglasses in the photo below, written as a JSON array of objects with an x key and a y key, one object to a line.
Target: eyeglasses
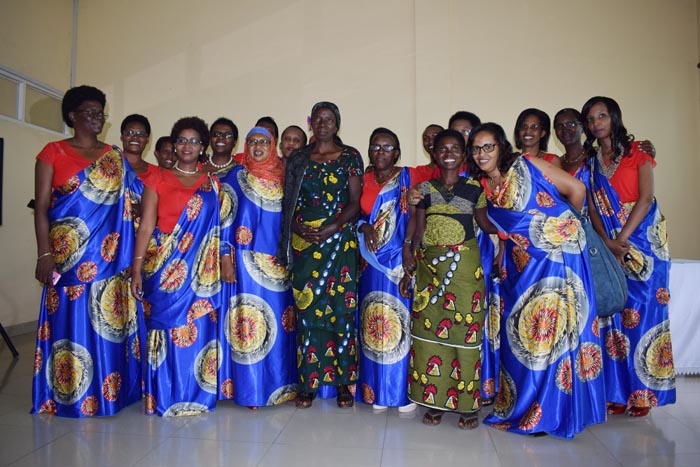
[
  {"x": 222, "y": 134},
  {"x": 183, "y": 141},
  {"x": 465, "y": 131},
  {"x": 486, "y": 148},
  {"x": 533, "y": 127},
  {"x": 93, "y": 114},
  {"x": 570, "y": 124},
  {"x": 453, "y": 149},
  {"x": 137, "y": 133},
  {"x": 385, "y": 147},
  {"x": 255, "y": 142}
]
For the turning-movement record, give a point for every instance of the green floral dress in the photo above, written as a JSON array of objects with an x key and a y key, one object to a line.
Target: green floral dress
[
  {"x": 324, "y": 277},
  {"x": 448, "y": 306}
]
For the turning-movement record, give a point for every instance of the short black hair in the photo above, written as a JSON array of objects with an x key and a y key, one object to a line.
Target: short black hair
[
  {"x": 138, "y": 118},
  {"x": 545, "y": 123},
  {"x": 270, "y": 121},
  {"x": 303, "y": 133},
  {"x": 464, "y": 115},
  {"x": 229, "y": 123},
  {"x": 565, "y": 110},
  {"x": 506, "y": 155},
  {"x": 161, "y": 141},
  {"x": 388, "y": 132},
  {"x": 450, "y": 133},
  {"x": 74, "y": 98},
  {"x": 191, "y": 123}
]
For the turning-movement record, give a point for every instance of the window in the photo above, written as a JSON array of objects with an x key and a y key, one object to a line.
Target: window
[{"x": 25, "y": 100}]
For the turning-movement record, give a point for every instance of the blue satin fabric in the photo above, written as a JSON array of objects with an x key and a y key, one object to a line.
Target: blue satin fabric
[
  {"x": 182, "y": 297},
  {"x": 257, "y": 330},
  {"x": 491, "y": 344},
  {"x": 86, "y": 361},
  {"x": 550, "y": 352},
  {"x": 638, "y": 362},
  {"x": 384, "y": 316}
]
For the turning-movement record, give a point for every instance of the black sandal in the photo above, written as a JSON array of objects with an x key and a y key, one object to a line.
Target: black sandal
[
  {"x": 345, "y": 398},
  {"x": 432, "y": 417},
  {"x": 468, "y": 421},
  {"x": 304, "y": 400}
]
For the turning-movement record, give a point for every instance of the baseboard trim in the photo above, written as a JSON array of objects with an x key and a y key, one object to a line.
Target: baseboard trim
[{"x": 22, "y": 328}]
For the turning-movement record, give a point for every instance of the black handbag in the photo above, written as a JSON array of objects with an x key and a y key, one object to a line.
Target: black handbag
[{"x": 609, "y": 279}]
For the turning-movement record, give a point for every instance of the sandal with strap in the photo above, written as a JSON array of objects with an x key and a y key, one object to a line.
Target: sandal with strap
[
  {"x": 638, "y": 411},
  {"x": 432, "y": 417},
  {"x": 468, "y": 421},
  {"x": 345, "y": 398},
  {"x": 304, "y": 400},
  {"x": 616, "y": 409}
]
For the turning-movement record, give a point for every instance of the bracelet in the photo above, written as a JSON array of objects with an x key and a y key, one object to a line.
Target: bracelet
[
  {"x": 408, "y": 242},
  {"x": 137, "y": 257},
  {"x": 43, "y": 256}
]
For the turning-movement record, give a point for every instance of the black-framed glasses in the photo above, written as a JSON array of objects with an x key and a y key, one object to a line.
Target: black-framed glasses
[
  {"x": 183, "y": 141},
  {"x": 486, "y": 148},
  {"x": 93, "y": 114},
  {"x": 385, "y": 147},
  {"x": 222, "y": 134},
  {"x": 533, "y": 127},
  {"x": 255, "y": 142},
  {"x": 137, "y": 133},
  {"x": 569, "y": 124}
]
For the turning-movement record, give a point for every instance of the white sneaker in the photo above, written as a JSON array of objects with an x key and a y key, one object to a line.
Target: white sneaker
[
  {"x": 408, "y": 407},
  {"x": 378, "y": 407}
]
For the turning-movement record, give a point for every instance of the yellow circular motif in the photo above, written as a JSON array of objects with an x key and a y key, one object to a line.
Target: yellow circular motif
[
  {"x": 267, "y": 189},
  {"x": 561, "y": 230},
  {"x": 246, "y": 328},
  {"x": 381, "y": 327},
  {"x": 443, "y": 230},
  {"x": 543, "y": 323},
  {"x": 660, "y": 358},
  {"x": 69, "y": 371}
]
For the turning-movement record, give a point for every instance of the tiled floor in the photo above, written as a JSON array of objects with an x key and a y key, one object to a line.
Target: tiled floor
[{"x": 286, "y": 436}]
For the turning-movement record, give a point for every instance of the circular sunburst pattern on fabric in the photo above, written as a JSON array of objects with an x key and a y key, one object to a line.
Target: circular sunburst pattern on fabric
[
  {"x": 564, "y": 376},
  {"x": 489, "y": 388},
  {"x": 185, "y": 335},
  {"x": 544, "y": 199},
  {"x": 642, "y": 398},
  {"x": 51, "y": 301},
  {"x": 545, "y": 321},
  {"x": 531, "y": 418},
  {"x": 205, "y": 269},
  {"x": 48, "y": 406},
  {"x": 517, "y": 187},
  {"x": 173, "y": 276},
  {"x": 266, "y": 194},
  {"x": 555, "y": 235},
  {"x": 589, "y": 361},
  {"x": 228, "y": 201},
  {"x": 265, "y": 270},
  {"x": 74, "y": 291},
  {"x": 156, "y": 347},
  {"x": 111, "y": 386},
  {"x": 43, "y": 333},
  {"x": 136, "y": 348},
  {"x": 198, "y": 309},
  {"x": 639, "y": 266},
  {"x": 289, "y": 323},
  {"x": 90, "y": 406},
  {"x": 617, "y": 345},
  {"x": 385, "y": 328},
  {"x": 108, "y": 248},
  {"x": 160, "y": 250},
  {"x": 86, "y": 272},
  {"x": 653, "y": 358},
  {"x": 493, "y": 321},
  {"x": 185, "y": 409},
  {"x": 69, "y": 238},
  {"x": 103, "y": 183},
  {"x": 250, "y": 327},
  {"x": 244, "y": 235},
  {"x": 38, "y": 360},
  {"x": 630, "y": 318},
  {"x": 185, "y": 242},
  {"x": 69, "y": 371},
  {"x": 385, "y": 223},
  {"x": 595, "y": 327},
  {"x": 69, "y": 186},
  {"x": 150, "y": 403},
  {"x": 110, "y": 309},
  {"x": 206, "y": 366},
  {"x": 283, "y": 394},
  {"x": 506, "y": 397},
  {"x": 662, "y": 296},
  {"x": 658, "y": 238},
  {"x": 227, "y": 389},
  {"x": 194, "y": 207},
  {"x": 367, "y": 394}
]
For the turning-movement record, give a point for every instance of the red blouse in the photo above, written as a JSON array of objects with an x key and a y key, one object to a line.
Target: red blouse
[
  {"x": 172, "y": 197},
  {"x": 625, "y": 180},
  {"x": 65, "y": 160},
  {"x": 371, "y": 189}
]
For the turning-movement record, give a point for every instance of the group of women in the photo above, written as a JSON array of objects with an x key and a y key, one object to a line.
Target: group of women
[{"x": 262, "y": 279}]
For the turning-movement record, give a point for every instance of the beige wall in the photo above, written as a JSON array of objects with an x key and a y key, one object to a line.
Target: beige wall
[{"x": 395, "y": 63}]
